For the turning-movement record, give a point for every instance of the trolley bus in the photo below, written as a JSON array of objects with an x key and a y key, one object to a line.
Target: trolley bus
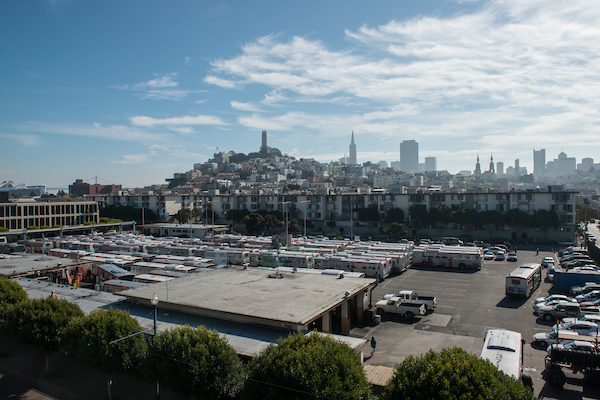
[
  {"x": 524, "y": 280},
  {"x": 438, "y": 255}
]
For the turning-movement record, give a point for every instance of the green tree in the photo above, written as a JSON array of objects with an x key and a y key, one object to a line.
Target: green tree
[
  {"x": 196, "y": 213},
  {"x": 254, "y": 223},
  {"x": 515, "y": 217},
  {"x": 451, "y": 374},
  {"x": 306, "y": 367},
  {"x": 196, "y": 361},
  {"x": 3, "y": 229},
  {"x": 466, "y": 217},
  {"x": 237, "y": 215},
  {"x": 91, "y": 339},
  {"x": 544, "y": 219},
  {"x": 419, "y": 216},
  {"x": 183, "y": 215},
  {"x": 11, "y": 292},
  {"x": 294, "y": 226},
  {"x": 42, "y": 322},
  {"x": 440, "y": 216},
  {"x": 394, "y": 214},
  {"x": 368, "y": 214}
]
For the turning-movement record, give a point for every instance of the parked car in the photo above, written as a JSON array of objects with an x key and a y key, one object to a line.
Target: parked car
[
  {"x": 549, "y": 304},
  {"x": 581, "y": 327},
  {"x": 587, "y": 317},
  {"x": 574, "y": 345},
  {"x": 585, "y": 268},
  {"x": 550, "y": 274},
  {"x": 590, "y": 303},
  {"x": 499, "y": 257},
  {"x": 511, "y": 257},
  {"x": 553, "y": 297},
  {"x": 489, "y": 256},
  {"x": 545, "y": 338},
  {"x": 546, "y": 261},
  {"x": 593, "y": 295},
  {"x": 588, "y": 287}
]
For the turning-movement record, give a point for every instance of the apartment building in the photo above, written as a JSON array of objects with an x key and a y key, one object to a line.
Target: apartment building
[{"x": 335, "y": 206}]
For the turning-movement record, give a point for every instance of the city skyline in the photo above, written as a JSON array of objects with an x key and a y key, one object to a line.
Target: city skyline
[{"x": 133, "y": 92}]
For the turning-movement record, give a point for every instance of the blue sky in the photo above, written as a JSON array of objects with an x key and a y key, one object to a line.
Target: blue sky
[{"x": 133, "y": 91}]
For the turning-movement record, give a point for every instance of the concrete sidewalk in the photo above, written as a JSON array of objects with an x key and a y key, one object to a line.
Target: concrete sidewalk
[{"x": 23, "y": 376}]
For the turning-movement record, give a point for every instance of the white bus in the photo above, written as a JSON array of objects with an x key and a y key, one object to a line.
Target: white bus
[
  {"x": 438, "y": 255},
  {"x": 504, "y": 349},
  {"x": 524, "y": 280}
]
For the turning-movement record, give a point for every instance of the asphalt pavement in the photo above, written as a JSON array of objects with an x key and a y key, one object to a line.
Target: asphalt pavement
[{"x": 469, "y": 303}]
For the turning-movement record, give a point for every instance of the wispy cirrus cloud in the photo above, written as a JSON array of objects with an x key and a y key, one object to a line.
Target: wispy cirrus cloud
[
  {"x": 244, "y": 106},
  {"x": 161, "y": 87},
  {"x": 122, "y": 133},
  {"x": 133, "y": 159},
  {"x": 24, "y": 139},
  {"x": 185, "y": 120}
]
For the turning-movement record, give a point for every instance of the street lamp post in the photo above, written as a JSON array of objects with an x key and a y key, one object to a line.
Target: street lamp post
[
  {"x": 154, "y": 302},
  {"x": 287, "y": 243},
  {"x": 305, "y": 206}
]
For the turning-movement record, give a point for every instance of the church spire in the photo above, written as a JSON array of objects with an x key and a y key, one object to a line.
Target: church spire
[
  {"x": 492, "y": 170},
  {"x": 477, "y": 167}
]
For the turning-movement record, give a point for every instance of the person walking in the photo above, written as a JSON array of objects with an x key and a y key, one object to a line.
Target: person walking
[{"x": 373, "y": 345}]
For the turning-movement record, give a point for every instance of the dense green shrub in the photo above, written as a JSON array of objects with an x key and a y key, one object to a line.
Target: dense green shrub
[
  {"x": 41, "y": 321},
  {"x": 196, "y": 361},
  {"x": 307, "y": 367},
  {"x": 11, "y": 292},
  {"x": 90, "y": 339},
  {"x": 451, "y": 374}
]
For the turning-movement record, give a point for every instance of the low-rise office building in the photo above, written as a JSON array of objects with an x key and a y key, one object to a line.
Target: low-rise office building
[{"x": 23, "y": 214}]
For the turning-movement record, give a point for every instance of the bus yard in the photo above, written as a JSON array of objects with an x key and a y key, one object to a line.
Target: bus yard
[
  {"x": 470, "y": 292},
  {"x": 469, "y": 303}
]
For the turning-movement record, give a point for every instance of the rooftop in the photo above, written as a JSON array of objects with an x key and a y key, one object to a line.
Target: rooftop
[{"x": 294, "y": 298}]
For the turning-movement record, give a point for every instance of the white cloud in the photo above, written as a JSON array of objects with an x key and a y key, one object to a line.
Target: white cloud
[
  {"x": 177, "y": 121},
  {"x": 133, "y": 159},
  {"x": 96, "y": 130},
  {"x": 162, "y": 87},
  {"x": 24, "y": 139},
  {"x": 244, "y": 106},
  {"x": 224, "y": 83},
  {"x": 522, "y": 70}
]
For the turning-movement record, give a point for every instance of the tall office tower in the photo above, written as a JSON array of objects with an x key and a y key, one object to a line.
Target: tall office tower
[
  {"x": 517, "y": 167},
  {"x": 430, "y": 164},
  {"x": 539, "y": 162},
  {"x": 500, "y": 167},
  {"x": 409, "y": 156},
  {"x": 492, "y": 164},
  {"x": 477, "y": 167},
  {"x": 352, "y": 157},
  {"x": 264, "y": 148}
]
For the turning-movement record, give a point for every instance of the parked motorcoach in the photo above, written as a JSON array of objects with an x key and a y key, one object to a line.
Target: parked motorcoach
[{"x": 524, "y": 280}]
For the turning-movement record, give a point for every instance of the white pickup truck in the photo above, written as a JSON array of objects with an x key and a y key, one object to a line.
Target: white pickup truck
[
  {"x": 409, "y": 296},
  {"x": 395, "y": 305}
]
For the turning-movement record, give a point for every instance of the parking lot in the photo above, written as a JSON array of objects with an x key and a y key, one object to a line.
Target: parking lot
[{"x": 469, "y": 303}]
